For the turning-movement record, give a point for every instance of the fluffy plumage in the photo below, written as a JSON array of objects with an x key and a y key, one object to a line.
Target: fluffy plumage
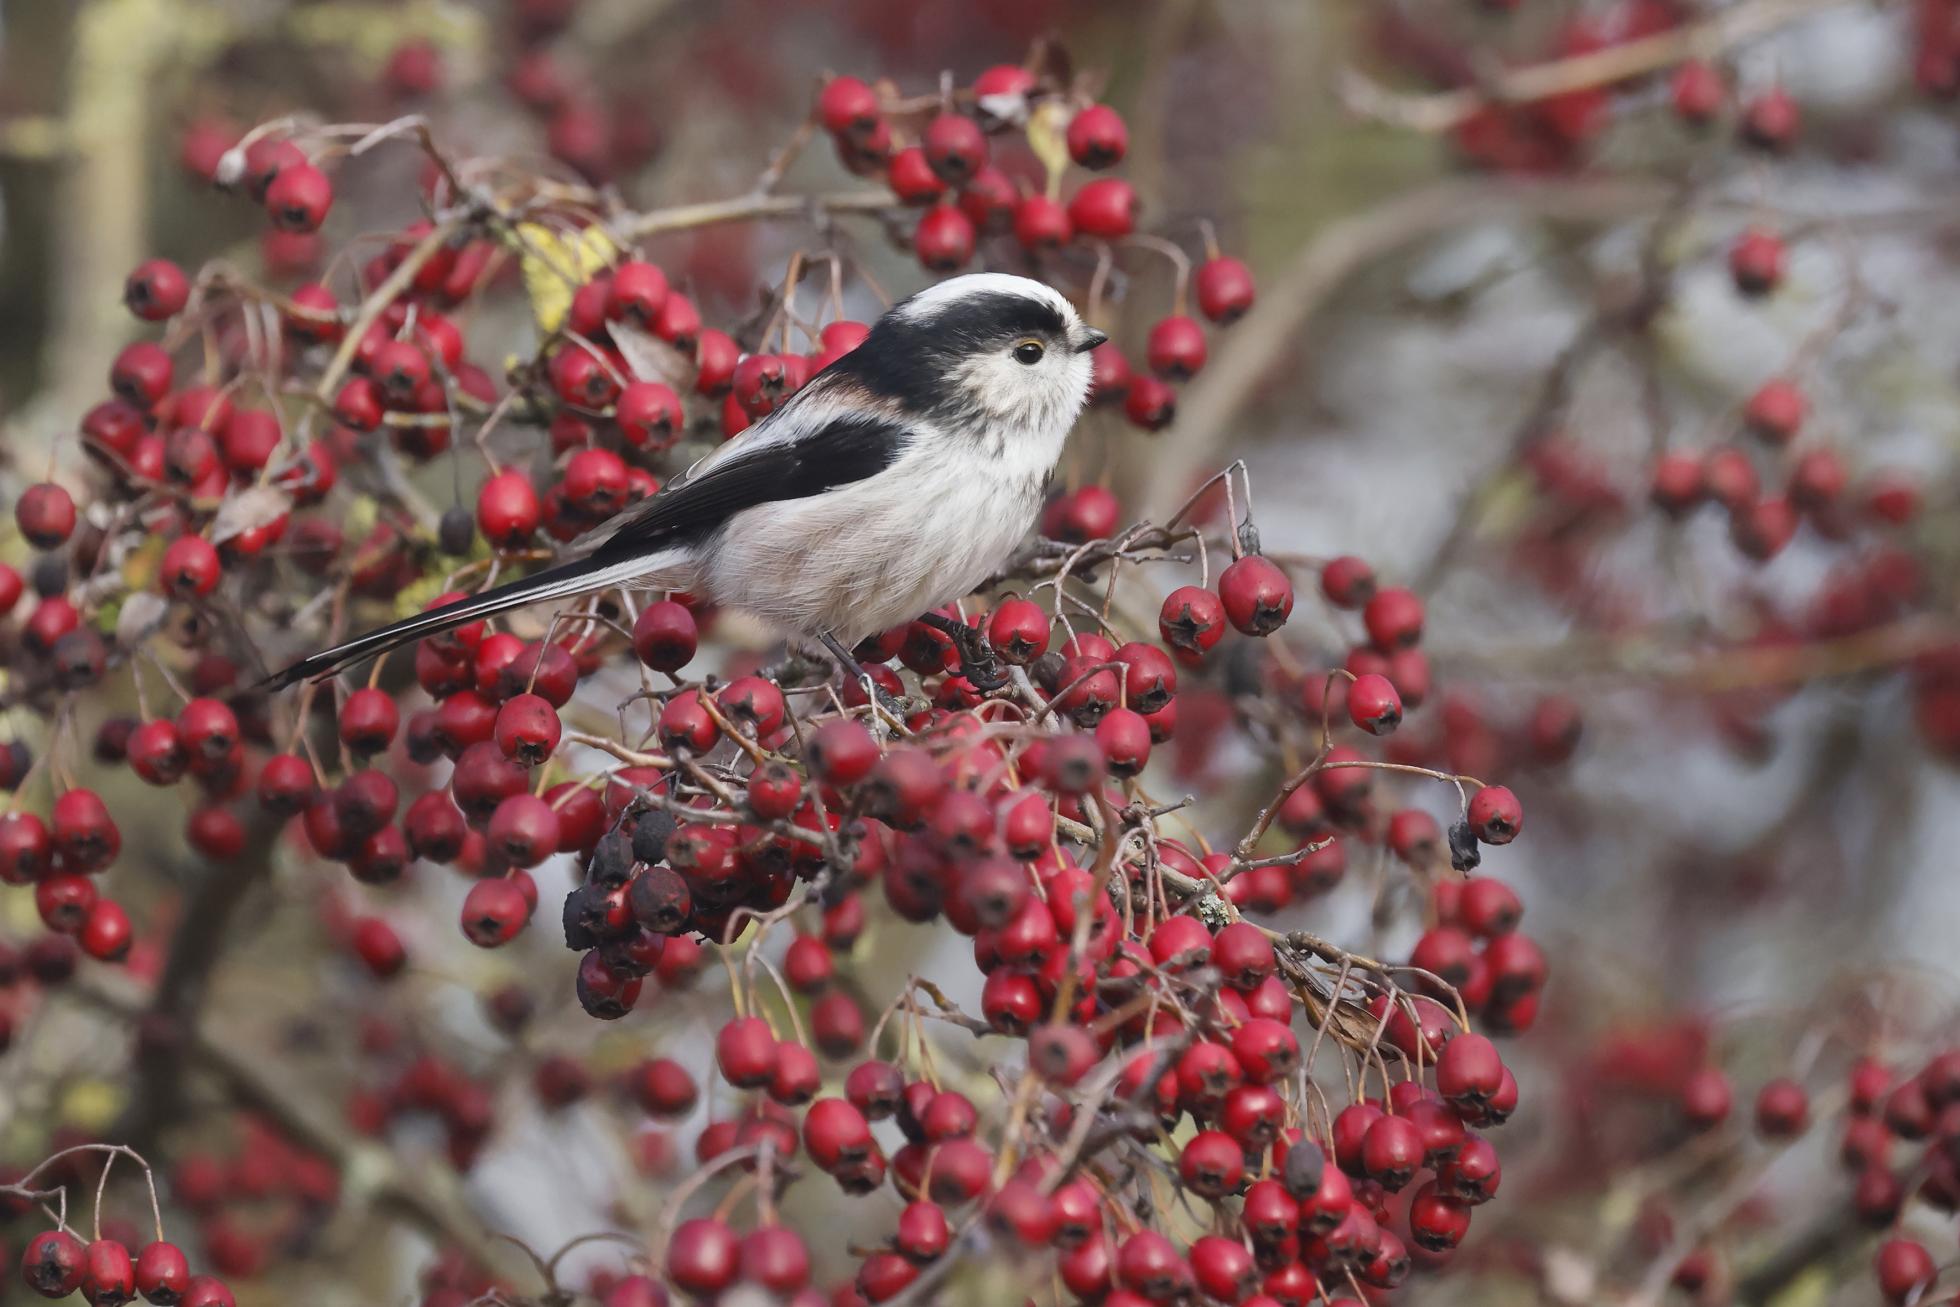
[{"x": 897, "y": 479}]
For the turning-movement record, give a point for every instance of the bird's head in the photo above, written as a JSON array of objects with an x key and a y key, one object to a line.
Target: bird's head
[{"x": 984, "y": 348}]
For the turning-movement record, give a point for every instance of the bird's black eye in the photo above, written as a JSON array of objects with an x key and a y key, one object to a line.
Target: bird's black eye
[{"x": 1029, "y": 352}]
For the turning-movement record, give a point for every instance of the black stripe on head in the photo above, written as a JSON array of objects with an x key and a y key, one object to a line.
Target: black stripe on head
[
  {"x": 909, "y": 357},
  {"x": 845, "y": 450},
  {"x": 996, "y": 318}
]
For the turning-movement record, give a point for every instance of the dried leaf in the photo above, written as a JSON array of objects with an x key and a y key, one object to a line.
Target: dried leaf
[
  {"x": 141, "y": 613},
  {"x": 248, "y": 510},
  {"x": 1048, "y": 138},
  {"x": 648, "y": 357},
  {"x": 555, "y": 264}
]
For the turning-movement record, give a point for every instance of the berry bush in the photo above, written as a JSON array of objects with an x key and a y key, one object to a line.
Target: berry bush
[{"x": 1148, "y": 927}]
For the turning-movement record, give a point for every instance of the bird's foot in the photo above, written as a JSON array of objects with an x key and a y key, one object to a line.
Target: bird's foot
[
  {"x": 979, "y": 664},
  {"x": 892, "y": 706}
]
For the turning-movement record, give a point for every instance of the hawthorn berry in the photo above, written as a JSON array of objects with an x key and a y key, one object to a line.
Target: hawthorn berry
[
  {"x": 955, "y": 147},
  {"x": 1097, "y": 137},
  {"x": 163, "y": 1273},
  {"x": 46, "y": 515},
  {"x": 1224, "y": 288},
  {"x": 1042, "y": 223},
  {"x": 1175, "y": 349},
  {"x": 298, "y": 198},
  {"x": 156, "y": 290},
  {"x": 848, "y": 107},
  {"x": 1756, "y": 262},
  {"x": 1105, "y": 208},
  {"x": 1782, "y": 1110},
  {"x": 944, "y": 239},
  {"x": 53, "y": 1263}
]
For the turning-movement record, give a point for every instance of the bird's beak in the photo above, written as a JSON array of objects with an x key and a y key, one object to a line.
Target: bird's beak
[{"x": 1088, "y": 340}]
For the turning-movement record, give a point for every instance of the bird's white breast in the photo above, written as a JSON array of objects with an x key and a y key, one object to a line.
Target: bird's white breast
[{"x": 862, "y": 558}]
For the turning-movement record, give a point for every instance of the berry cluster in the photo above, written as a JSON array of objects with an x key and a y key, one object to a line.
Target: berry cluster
[
  {"x": 1161, "y": 1021},
  {"x": 58, "y": 1263}
]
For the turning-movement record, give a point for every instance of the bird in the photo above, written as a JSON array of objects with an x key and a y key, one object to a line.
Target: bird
[{"x": 897, "y": 479}]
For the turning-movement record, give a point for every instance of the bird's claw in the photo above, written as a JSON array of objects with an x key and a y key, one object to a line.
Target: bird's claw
[{"x": 979, "y": 664}]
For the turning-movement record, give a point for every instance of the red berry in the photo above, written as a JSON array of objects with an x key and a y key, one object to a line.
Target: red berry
[
  {"x": 944, "y": 239},
  {"x": 702, "y": 1256},
  {"x": 46, "y": 515},
  {"x": 1256, "y": 595},
  {"x": 108, "y": 1276},
  {"x": 1782, "y": 1110},
  {"x": 716, "y": 357},
  {"x": 1105, "y": 208},
  {"x": 206, "y": 1291},
  {"x": 528, "y": 729},
  {"x": 1225, "y": 289},
  {"x": 912, "y": 179},
  {"x": 1211, "y": 1164},
  {"x": 1192, "y": 619},
  {"x": 368, "y": 721},
  {"x": 1776, "y": 410},
  {"x": 848, "y": 107},
  {"x": 156, "y": 290},
  {"x": 638, "y": 291},
  {"x": 298, "y": 198},
  {"x": 53, "y": 1263},
  {"x": 595, "y": 482},
  {"x": 1124, "y": 738},
  {"x": 1041, "y": 223},
  {"x": 1176, "y": 347},
  {"x": 494, "y": 911},
  {"x": 955, "y": 147},
  {"x": 1373, "y": 704},
  {"x": 1697, "y": 91},
  {"x": 163, "y": 1273},
  {"x": 1437, "y": 1221},
  {"x": 508, "y": 510},
  {"x": 1002, "y": 92},
  {"x": 1756, "y": 262},
  {"x": 1706, "y": 1098},
  {"x": 1495, "y": 815},
  {"x": 1769, "y": 122},
  {"x": 745, "y": 1050},
  {"x": 1469, "y": 1070},
  {"x": 1904, "y": 1269},
  {"x": 1150, "y": 403},
  {"x": 141, "y": 374},
  {"x": 1097, "y": 137},
  {"x": 1393, "y": 618},
  {"x": 841, "y": 751},
  {"x": 649, "y": 415}
]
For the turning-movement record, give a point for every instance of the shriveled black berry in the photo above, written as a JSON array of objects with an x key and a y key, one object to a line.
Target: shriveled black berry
[
  {"x": 1463, "y": 847},
  {"x": 612, "y": 861},
  {"x": 581, "y": 908},
  {"x": 651, "y": 834},
  {"x": 457, "y": 530},
  {"x": 1301, "y": 1173}
]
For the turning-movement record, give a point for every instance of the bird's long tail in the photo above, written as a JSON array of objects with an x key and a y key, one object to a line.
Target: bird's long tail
[{"x": 561, "y": 582}]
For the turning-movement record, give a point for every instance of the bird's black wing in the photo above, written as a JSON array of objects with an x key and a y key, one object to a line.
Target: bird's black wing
[
  {"x": 842, "y": 450},
  {"x": 827, "y": 455}
]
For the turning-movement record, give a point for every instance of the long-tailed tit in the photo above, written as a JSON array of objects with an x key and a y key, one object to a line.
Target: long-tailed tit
[{"x": 897, "y": 479}]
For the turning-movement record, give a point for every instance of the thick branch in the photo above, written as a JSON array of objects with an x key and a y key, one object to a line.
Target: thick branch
[
  {"x": 746, "y": 207},
  {"x": 1209, "y": 409},
  {"x": 368, "y": 1170},
  {"x": 1710, "y": 37}
]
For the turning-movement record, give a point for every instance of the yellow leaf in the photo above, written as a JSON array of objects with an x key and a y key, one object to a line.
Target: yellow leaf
[
  {"x": 141, "y": 564},
  {"x": 1048, "y": 138},
  {"x": 1810, "y": 1289},
  {"x": 91, "y": 1105},
  {"x": 555, "y": 264}
]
